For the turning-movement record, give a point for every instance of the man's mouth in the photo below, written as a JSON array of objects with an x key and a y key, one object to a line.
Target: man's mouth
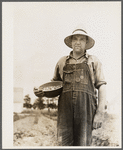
[{"x": 77, "y": 46}]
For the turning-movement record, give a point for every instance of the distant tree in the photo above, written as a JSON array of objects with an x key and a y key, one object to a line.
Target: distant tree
[
  {"x": 39, "y": 103},
  {"x": 53, "y": 106},
  {"x": 27, "y": 101},
  {"x": 51, "y": 103}
]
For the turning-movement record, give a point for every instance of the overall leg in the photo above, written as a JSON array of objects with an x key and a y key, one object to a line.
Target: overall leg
[
  {"x": 82, "y": 120},
  {"x": 65, "y": 119}
]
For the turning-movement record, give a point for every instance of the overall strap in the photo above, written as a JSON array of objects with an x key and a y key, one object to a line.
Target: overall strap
[{"x": 67, "y": 61}]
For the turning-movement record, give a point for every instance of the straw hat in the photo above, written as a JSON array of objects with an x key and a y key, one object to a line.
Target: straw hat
[{"x": 79, "y": 31}]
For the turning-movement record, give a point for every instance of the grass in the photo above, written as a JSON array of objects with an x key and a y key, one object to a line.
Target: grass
[
  {"x": 39, "y": 128},
  {"x": 35, "y": 131},
  {"x": 52, "y": 114},
  {"x": 18, "y": 117}
]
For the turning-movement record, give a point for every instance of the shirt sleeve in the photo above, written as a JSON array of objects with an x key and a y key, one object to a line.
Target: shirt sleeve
[
  {"x": 58, "y": 73},
  {"x": 56, "y": 76},
  {"x": 99, "y": 76}
]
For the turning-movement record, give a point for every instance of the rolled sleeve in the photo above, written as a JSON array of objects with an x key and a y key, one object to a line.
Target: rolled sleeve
[{"x": 99, "y": 76}]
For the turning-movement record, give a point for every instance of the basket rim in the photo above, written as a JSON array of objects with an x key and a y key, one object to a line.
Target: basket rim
[{"x": 48, "y": 84}]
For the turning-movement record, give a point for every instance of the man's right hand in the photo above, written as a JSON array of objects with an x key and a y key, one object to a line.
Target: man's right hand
[{"x": 38, "y": 92}]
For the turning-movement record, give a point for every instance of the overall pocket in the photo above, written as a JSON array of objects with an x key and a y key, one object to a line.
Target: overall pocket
[
  {"x": 68, "y": 80},
  {"x": 68, "y": 76},
  {"x": 82, "y": 76}
]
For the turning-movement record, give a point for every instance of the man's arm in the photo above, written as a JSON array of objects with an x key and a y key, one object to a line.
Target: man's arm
[
  {"x": 99, "y": 116},
  {"x": 58, "y": 73},
  {"x": 101, "y": 98},
  {"x": 56, "y": 76}
]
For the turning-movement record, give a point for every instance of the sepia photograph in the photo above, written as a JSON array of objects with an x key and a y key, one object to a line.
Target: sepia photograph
[{"x": 61, "y": 74}]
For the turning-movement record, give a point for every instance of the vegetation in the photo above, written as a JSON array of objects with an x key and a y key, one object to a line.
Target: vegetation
[
  {"x": 39, "y": 128},
  {"x": 27, "y": 101},
  {"x": 39, "y": 103}
]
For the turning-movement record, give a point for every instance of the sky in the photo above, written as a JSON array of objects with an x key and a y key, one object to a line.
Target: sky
[
  {"x": 33, "y": 41},
  {"x": 39, "y": 29}
]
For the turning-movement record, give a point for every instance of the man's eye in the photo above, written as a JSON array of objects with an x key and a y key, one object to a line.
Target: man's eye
[{"x": 83, "y": 39}]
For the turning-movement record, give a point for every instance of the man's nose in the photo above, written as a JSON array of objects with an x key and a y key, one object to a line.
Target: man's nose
[{"x": 78, "y": 41}]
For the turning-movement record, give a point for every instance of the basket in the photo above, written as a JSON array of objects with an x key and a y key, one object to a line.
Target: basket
[{"x": 52, "y": 89}]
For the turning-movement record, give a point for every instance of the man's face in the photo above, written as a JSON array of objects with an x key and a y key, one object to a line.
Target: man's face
[{"x": 79, "y": 43}]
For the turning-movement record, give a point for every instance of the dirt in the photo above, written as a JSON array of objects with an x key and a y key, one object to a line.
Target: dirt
[
  {"x": 35, "y": 131},
  {"x": 109, "y": 134},
  {"x": 40, "y": 130}
]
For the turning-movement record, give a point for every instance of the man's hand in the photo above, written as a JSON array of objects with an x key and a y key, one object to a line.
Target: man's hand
[
  {"x": 38, "y": 92},
  {"x": 99, "y": 116},
  {"x": 98, "y": 119}
]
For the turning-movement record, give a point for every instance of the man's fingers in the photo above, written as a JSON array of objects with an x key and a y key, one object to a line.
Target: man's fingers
[
  {"x": 94, "y": 125},
  {"x": 100, "y": 124},
  {"x": 39, "y": 92},
  {"x": 35, "y": 88},
  {"x": 97, "y": 125}
]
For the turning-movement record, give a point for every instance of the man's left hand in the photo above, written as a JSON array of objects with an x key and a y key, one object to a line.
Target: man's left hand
[{"x": 98, "y": 119}]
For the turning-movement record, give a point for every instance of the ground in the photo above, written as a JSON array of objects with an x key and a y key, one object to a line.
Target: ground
[{"x": 39, "y": 128}]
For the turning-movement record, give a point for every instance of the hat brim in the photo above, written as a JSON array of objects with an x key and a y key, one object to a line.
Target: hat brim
[{"x": 90, "y": 43}]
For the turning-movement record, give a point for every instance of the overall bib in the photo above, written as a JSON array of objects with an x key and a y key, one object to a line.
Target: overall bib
[{"x": 76, "y": 106}]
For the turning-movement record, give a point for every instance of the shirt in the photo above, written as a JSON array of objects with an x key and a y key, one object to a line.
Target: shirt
[{"x": 95, "y": 66}]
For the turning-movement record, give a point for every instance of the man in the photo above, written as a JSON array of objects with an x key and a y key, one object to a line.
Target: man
[{"x": 82, "y": 75}]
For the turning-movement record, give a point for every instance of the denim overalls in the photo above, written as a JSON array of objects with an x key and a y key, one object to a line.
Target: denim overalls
[{"x": 76, "y": 106}]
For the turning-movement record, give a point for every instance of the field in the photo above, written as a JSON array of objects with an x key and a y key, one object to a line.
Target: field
[{"x": 39, "y": 128}]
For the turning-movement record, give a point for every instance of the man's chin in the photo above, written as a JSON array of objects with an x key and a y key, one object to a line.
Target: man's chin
[{"x": 77, "y": 50}]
